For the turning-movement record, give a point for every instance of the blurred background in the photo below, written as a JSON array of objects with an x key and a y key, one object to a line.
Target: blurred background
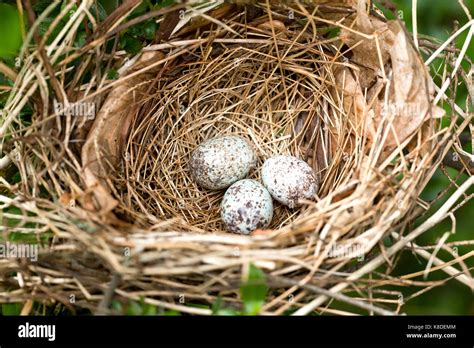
[{"x": 436, "y": 18}]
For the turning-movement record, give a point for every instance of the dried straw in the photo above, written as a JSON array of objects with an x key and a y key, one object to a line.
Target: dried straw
[{"x": 131, "y": 223}]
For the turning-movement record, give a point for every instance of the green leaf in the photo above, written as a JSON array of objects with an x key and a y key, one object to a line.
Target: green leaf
[
  {"x": 217, "y": 309},
  {"x": 254, "y": 291},
  {"x": 134, "y": 308},
  {"x": 113, "y": 74},
  {"x": 40, "y": 5},
  {"x": 109, "y": 5},
  {"x": 147, "y": 309},
  {"x": 80, "y": 39},
  {"x": 10, "y": 31},
  {"x": 44, "y": 26},
  {"x": 164, "y": 3},
  {"x": 198, "y": 305},
  {"x": 71, "y": 11},
  {"x": 16, "y": 178},
  {"x": 145, "y": 30},
  {"x": 116, "y": 305},
  {"x": 149, "y": 30},
  {"x": 98, "y": 11},
  {"x": 140, "y": 9},
  {"x": 228, "y": 312},
  {"x": 130, "y": 44},
  {"x": 11, "y": 308},
  {"x": 216, "y": 306},
  {"x": 135, "y": 31}
]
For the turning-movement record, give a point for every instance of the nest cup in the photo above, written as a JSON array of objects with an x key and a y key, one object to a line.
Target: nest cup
[
  {"x": 267, "y": 82},
  {"x": 278, "y": 75}
]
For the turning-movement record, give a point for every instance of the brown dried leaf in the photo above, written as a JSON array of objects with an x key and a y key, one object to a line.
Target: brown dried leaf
[
  {"x": 365, "y": 51},
  {"x": 278, "y": 26},
  {"x": 167, "y": 26},
  {"x": 411, "y": 89},
  {"x": 408, "y": 102},
  {"x": 103, "y": 149}
]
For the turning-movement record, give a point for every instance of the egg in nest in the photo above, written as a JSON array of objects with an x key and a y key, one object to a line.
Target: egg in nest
[
  {"x": 246, "y": 206},
  {"x": 289, "y": 180},
  {"x": 219, "y": 162}
]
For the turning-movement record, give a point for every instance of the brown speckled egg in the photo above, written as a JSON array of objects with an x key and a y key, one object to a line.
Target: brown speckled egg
[
  {"x": 246, "y": 206},
  {"x": 219, "y": 162},
  {"x": 289, "y": 179}
]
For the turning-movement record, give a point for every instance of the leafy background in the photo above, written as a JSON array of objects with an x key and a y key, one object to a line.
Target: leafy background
[{"x": 436, "y": 18}]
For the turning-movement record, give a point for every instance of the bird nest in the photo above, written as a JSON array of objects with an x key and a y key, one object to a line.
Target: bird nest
[
  {"x": 338, "y": 86},
  {"x": 234, "y": 86}
]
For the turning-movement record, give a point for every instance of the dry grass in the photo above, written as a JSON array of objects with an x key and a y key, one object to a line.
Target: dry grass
[
  {"x": 238, "y": 88},
  {"x": 131, "y": 223}
]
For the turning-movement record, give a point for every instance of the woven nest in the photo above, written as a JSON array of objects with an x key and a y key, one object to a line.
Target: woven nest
[
  {"x": 226, "y": 88},
  {"x": 117, "y": 194}
]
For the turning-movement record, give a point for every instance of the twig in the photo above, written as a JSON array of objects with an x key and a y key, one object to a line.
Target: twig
[
  {"x": 108, "y": 295},
  {"x": 335, "y": 295},
  {"x": 414, "y": 21},
  {"x": 456, "y": 274},
  {"x": 7, "y": 71},
  {"x": 44, "y": 57},
  {"x": 458, "y": 161}
]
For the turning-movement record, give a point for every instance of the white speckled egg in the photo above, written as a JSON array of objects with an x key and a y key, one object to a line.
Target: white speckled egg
[
  {"x": 289, "y": 179},
  {"x": 246, "y": 206},
  {"x": 219, "y": 162}
]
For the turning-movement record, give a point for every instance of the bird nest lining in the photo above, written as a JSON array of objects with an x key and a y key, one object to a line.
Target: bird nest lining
[{"x": 233, "y": 86}]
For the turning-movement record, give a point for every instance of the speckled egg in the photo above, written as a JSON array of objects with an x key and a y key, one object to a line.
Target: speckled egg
[
  {"x": 219, "y": 162},
  {"x": 246, "y": 206},
  {"x": 289, "y": 179}
]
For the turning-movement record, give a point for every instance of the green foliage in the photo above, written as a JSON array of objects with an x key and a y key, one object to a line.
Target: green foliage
[
  {"x": 40, "y": 5},
  {"x": 116, "y": 306},
  {"x": 130, "y": 44},
  {"x": 71, "y": 11},
  {"x": 109, "y": 5},
  {"x": 97, "y": 11},
  {"x": 113, "y": 74},
  {"x": 156, "y": 4},
  {"x": 134, "y": 308},
  {"x": 218, "y": 309},
  {"x": 149, "y": 30},
  {"x": 11, "y": 308},
  {"x": 136, "y": 37},
  {"x": 133, "y": 39},
  {"x": 138, "y": 308},
  {"x": 10, "y": 31},
  {"x": 19, "y": 237},
  {"x": 253, "y": 292},
  {"x": 45, "y": 25}
]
